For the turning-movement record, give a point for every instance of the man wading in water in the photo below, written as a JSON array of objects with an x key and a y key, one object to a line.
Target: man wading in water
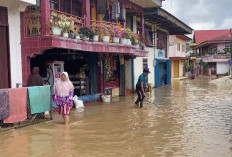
[{"x": 141, "y": 85}]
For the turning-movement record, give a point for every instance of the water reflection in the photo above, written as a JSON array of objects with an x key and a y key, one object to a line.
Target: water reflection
[{"x": 188, "y": 118}]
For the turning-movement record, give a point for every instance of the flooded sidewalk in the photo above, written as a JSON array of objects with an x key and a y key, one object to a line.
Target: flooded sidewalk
[{"x": 188, "y": 118}]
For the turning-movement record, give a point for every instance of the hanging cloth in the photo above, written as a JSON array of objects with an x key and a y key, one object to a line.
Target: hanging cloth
[
  {"x": 39, "y": 99},
  {"x": 116, "y": 10},
  {"x": 122, "y": 13},
  {"x": 101, "y": 6},
  {"x": 18, "y": 105},
  {"x": 4, "y": 104}
]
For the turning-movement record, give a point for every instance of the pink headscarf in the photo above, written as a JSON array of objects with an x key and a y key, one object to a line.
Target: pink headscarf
[{"x": 64, "y": 88}]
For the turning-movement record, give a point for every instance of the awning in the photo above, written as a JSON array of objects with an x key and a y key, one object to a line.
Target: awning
[{"x": 167, "y": 21}]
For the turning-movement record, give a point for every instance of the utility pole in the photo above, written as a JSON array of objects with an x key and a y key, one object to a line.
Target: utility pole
[{"x": 231, "y": 52}]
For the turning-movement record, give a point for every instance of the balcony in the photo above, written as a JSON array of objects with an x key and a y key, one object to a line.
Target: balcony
[
  {"x": 215, "y": 58},
  {"x": 37, "y": 36}
]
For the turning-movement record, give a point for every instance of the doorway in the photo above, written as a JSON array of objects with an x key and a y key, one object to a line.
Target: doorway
[
  {"x": 176, "y": 69},
  {"x": 4, "y": 49}
]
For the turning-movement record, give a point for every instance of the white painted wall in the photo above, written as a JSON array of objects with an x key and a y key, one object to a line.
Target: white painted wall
[
  {"x": 14, "y": 8},
  {"x": 222, "y": 68},
  {"x": 138, "y": 67},
  {"x": 128, "y": 74}
]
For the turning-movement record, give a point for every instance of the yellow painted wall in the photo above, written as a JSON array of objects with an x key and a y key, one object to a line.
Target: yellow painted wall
[{"x": 94, "y": 11}]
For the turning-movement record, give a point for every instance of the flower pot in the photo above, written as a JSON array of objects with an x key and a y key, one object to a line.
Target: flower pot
[
  {"x": 106, "y": 39},
  {"x": 116, "y": 39},
  {"x": 65, "y": 35},
  {"x": 124, "y": 41},
  {"x": 78, "y": 37},
  {"x": 96, "y": 38},
  {"x": 56, "y": 31},
  {"x": 86, "y": 38},
  {"x": 128, "y": 42},
  {"x": 72, "y": 35}
]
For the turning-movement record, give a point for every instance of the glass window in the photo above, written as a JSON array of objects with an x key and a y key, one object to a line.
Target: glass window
[
  {"x": 54, "y": 4},
  {"x": 77, "y": 8},
  {"x": 65, "y": 6}
]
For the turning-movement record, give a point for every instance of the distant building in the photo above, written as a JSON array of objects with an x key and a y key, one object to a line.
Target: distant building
[
  {"x": 178, "y": 54},
  {"x": 212, "y": 48}
]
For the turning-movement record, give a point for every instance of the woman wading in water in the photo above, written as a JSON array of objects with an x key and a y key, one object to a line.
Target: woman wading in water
[{"x": 64, "y": 96}]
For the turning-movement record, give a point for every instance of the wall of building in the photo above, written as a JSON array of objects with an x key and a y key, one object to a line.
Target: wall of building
[
  {"x": 222, "y": 68},
  {"x": 14, "y": 9},
  {"x": 173, "y": 47},
  {"x": 128, "y": 70},
  {"x": 220, "y": 48},
  {"x": 138, "y": 67}
]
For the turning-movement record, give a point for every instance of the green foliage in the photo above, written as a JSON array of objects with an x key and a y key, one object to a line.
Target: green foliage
[{"x": 84, "y": 31}]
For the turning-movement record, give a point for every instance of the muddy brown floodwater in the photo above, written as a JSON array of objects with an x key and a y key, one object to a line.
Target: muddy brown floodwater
[{"x": 188, "y": 118}]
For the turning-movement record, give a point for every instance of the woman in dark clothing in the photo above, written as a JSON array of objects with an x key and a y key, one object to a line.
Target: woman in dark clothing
[{"x": 35, "y": 79}]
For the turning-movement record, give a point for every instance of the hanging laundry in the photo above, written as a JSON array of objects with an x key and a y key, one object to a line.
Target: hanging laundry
[
  {"x": 116, "y": 10},
  {"x": 39, "y": 99},
  {"x": 122, "y": 16},
  {"x": 17, "y": 105},
  {"x": 4, "y": 103},
  {"x": 101, "y": 6}
]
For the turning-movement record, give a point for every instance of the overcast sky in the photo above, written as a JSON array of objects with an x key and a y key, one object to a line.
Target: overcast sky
[{"x": 202, "y": 14}]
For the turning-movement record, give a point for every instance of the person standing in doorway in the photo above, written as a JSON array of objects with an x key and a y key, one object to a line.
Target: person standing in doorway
[
  {"x": 141, "y": 85},
  {"x": 64, "y": 91},
  {"x": 35, "y": 80}
]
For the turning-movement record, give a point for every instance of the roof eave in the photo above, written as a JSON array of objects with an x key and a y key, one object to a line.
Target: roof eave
[{"x": 167, "y": 21}]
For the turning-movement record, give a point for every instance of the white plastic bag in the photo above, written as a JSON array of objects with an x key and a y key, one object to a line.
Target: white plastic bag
[{"x": 78, "y": 103}]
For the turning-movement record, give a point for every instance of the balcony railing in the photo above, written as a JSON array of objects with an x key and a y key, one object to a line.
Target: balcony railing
[
  {"x": 78, "y": 21},
  {"x": 33, "y": 23}
]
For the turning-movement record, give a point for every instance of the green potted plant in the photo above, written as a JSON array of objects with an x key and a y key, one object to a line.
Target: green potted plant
[
  {"x": 96, "y": 31},
  {"x": 54, "y": 24},
  {"x": 116, "y": 33},
  {"x": 86, "y": 33},
  {"x": 65, "y": 25},
  {"x": 105, "y": 30}
]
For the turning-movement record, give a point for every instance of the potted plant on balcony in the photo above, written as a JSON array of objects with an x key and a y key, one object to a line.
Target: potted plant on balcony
[
  {"x": 129, "y": 36},
  {"x": 54, "y": 24},
  {"x": 86, "y": 33},
  {"x": 116, "y": 34},
  {"x": 105, "y": 30},
  {"x": 76, "y": 30},
  {"x": 96, "y": 30},
  {"x": 65, "y": 25},
  {"x": 123, "y": 34}
]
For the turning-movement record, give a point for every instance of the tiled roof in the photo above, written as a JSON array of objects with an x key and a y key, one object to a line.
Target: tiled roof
[{"x": 201, "y": 36}]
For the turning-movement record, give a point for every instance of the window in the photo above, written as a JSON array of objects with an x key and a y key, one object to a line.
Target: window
[
  {"x": 145, "y": 63},
  {"x": 65, "y": 6},
  {"x": 73, "y": 7},
  {"x": 54, "y": 4},
  {"x": 178, "y": 47},
  {"x": 38, "y": 3},
  {"x": 227, "y": 49}
]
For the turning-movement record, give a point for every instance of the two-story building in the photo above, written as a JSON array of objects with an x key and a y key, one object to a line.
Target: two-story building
[
  {"x": 213, "y": 51},
  {"x": 94, "y": 67},
  {"x": 10, "y": 41},
  {"x": 159, "y": 25},
  {"x": 178, "y": 55}
]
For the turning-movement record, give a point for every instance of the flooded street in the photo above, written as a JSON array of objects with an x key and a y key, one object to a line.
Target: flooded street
[{"x": 188, "y": 118}]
